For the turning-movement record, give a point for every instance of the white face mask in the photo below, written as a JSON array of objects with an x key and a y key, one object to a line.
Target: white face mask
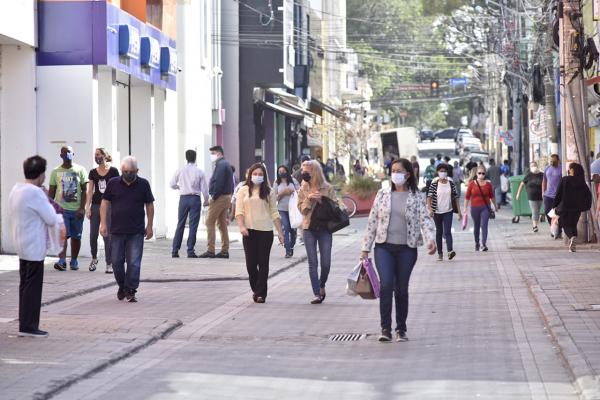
[
  {"x": 443, "y": 175},
  {"x": 399, "y": 178},
  {"x": 257, "y": 179},
  {"x": 534, "y": 170},
  {"x": 214, "y": 157}
]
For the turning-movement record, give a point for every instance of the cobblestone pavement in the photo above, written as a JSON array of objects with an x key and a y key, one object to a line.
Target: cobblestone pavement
[{"x": 481, "y": 326}]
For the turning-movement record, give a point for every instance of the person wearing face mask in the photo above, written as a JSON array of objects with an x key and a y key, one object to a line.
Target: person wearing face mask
[
  {"x": 68, "y": 188},
  {"x": 550, "y": 184},
  {"x": 256, "y": 212},
  {"x": 98, "y": 179},
  {"x": 480, "y": 193},
  {"x": 220, "y": 189},
  {"x": 398, "y": 223},
  {"x": 313, "y": 189},
  {"x": 442, "y": 202},
  {"x": 126, "y": 198},
  {"x": 30, "y": 214},
  {"x": 532, "y": 182},
  {"x": 284, "y": 187}
]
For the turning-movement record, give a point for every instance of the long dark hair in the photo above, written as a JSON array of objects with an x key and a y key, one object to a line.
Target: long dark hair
[
  {"x": 289, "y": 175},
  {"x": 578, "y": 173},
  {"x": 412, "y": 180},
  {"x": 265, "y": 189}
]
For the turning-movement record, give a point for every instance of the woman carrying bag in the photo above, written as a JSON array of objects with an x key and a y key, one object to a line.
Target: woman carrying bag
[
  {"x": 284, "y": 188},
  {"x": 442, "y": 203},
  {"x": 397, "y": 224},
  {"x": 532, "y": 182},
  {"x": 481, "y": 194},
  {"x": 256, "y": 212}
]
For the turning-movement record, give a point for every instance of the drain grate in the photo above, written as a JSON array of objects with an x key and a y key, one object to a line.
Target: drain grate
[{"x": 347, "y": 337}]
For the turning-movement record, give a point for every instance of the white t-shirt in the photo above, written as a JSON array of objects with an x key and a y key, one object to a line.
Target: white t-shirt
[
  {"x": 30, "y": 216},
  {"x": 444, "y": 198}
]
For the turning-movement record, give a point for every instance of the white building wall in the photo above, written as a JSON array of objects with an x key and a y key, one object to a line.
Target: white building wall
[
  {"x": 230, "y": 55},
  {"x": 17, "y": 123},
  {"x": 17, "y": 22}
]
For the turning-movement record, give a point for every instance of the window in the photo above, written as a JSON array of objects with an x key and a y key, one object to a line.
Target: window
[{"x": 154, "y": 12}]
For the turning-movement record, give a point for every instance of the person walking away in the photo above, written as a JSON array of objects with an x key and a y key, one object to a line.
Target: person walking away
[
  {"x": 415, "y": 164},
  {"x": 429, "y": 174},
  {"x": 450, "y": 171},
  {"x": 191, "y": 183},
  {"x": 284, "y": 188},
  {"x": 572, "y": 198},
  {"x": 532, "y": 182},
  {"x": 438, "y": 160},
  {"x": 256, "y": 212},
  {"x": 68, "y": 189},
  {"x": 358, "y": 170},
  {"x": 98, "y": 178},
  {"x": 30, "y": 216},
  {"x": 458, "y": 177},
  {"x": 220, "y": 190},
  {"x": 505, "y": 168},
  {"x": 313, "y": 189},
  {"x": 493, "y": 174},
  {"x": 397, "y": 224},
  {"x": 480, "y": 193},
  {"x": 442, "y": 203},
  {"x": 550, "y": 184},
  {"x": 126, "y": 198}
]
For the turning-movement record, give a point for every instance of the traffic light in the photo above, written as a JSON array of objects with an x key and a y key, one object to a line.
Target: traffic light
[{"x": 434, "y": 88}]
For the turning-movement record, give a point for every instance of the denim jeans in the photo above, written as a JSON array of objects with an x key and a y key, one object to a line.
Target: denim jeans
[
  {"x": 324, "y": 240},
  {"x": 127, "y": 248},
  {"x": 443, "y": 229},
  {"x": 394, "y": 263},
  {"x": 481, "y": 217},
  {"x": 188, "y": 205},
  {"x": 289, "y": 234}
]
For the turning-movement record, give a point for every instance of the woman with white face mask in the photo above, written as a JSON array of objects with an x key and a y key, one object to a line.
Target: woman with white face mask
[
  {"x": 256, "y": 212},
  {"x": 398, "y": 222},
  {"x": 532, "y": 182},
  {"x": 442, "y": 202}
]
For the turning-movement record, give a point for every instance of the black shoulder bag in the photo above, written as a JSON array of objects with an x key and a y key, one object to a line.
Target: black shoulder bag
[{"x": 487, "y": 204}]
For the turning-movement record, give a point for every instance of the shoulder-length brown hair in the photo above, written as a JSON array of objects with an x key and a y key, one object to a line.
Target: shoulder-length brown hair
[{"x": 265, "y": 188}]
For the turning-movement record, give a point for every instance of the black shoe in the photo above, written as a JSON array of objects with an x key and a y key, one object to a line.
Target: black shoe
[
  {"x": 288, "y": 255},
  {"x": 451, "y": 255},
  {"x": 120, "y": 294},
  {"x": 35, "y": 334},
  {"x": 386, "y": 335},
  {"x": 292, "y": 253},
  {"x": 174, "y": 255},
  {"x": 192, "y": 255},
  {"x": 477, "y": 247},
  {"x": 484, "y": 248},
  {"x": 260, "y": 300},
  {"x": 60, "y": 266},
  {"x": 254, "y": 297},
  {"x": 316, "y": 300},
  {"x": 131, "y": 298},
  {"x": 401, "y": 336},
  {"x": 222, "y": 254},
  {"x": 208, "y": 254}
]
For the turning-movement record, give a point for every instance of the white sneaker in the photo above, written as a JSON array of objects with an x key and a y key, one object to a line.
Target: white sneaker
[{"x": 109, "y": 269}]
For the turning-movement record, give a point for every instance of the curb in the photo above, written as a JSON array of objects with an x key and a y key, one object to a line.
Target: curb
[
  {"x": 159, "y": 333},
  {"x": 581, "y": 372}
]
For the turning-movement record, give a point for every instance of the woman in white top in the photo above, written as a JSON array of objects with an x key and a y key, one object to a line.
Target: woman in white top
[
  {"x": 284, "y": 188},
  {"x": 256, "y": 212},
  {"x": 442, "y": 202}
]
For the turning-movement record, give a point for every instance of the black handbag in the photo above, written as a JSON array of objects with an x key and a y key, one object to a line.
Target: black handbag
[
  {"x": 492, "y": 212},
  {"x": 342, "y": 220}
]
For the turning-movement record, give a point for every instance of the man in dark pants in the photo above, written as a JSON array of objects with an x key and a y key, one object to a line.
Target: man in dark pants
[
  {"x": 30, "y": 216},
  {"x": 220, "y": 189},
  {"x": 126, "y": 197},
  {"x": 191, "y": 183}
]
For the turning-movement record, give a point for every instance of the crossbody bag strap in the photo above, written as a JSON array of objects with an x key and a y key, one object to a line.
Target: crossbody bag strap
[{"x": 484, "y": 198}]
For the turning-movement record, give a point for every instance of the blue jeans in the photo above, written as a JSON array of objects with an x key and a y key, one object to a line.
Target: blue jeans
[
  {"x": 498, "y": 195},
  {"x": 188, "y": 205},
  {"x": 127, "y": 248},
  {"x": 443, "y": 229},
  {"x": 324, "y": 240},
  {"x": 481, "y": 217},
  {"x": 289, "y": 234},
  {"x": 73, "y": 224},
  {"x": 394, "y": 263}
]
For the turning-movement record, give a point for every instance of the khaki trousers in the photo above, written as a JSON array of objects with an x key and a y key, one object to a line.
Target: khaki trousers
[{"x": 217, "y": 214}]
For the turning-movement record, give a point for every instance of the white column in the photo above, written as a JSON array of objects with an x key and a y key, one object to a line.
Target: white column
[
  {"x": 159, "y": 183},
  {"x": 170, "y": 156},
  {"x": 141, "y": 128}
]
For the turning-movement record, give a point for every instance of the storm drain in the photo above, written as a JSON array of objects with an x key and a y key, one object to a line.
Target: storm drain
[{"x": 347, "y": 337}]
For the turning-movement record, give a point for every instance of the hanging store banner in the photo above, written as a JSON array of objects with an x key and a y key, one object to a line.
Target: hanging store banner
[{"x": 314, "y": 137}]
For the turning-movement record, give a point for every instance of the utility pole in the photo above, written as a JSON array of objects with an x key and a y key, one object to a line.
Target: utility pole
[{"x": 573, "y": 103}]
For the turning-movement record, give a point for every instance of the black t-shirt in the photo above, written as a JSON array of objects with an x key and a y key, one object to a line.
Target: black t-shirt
[
  {"x": 127, "y": 205},
  {"x": 533, "y": 185},
  {"x": 100, "y": 182}
]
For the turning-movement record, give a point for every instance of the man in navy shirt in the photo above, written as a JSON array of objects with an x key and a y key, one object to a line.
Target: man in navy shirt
[{"x": 127, "y": 196}]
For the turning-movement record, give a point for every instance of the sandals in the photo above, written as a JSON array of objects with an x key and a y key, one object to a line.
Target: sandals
[{"x": 93, "y": 265}]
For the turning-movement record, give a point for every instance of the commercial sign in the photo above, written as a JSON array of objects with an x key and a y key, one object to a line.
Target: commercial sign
[
  {"x": 129, "y": 41},
  {"x": 150, "y": 52},
  {"x": 168, "y": 61}
]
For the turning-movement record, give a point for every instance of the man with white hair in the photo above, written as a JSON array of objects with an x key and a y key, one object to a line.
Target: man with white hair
[{"x": 127, "y": 196}]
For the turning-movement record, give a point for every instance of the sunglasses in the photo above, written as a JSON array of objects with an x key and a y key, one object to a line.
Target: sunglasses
[{"x": 481, "y": 173}]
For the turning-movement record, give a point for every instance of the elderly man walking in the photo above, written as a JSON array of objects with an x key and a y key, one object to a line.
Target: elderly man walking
[
  {"x": 30, "y": 216},
  {"x": 127, "y": 196}
]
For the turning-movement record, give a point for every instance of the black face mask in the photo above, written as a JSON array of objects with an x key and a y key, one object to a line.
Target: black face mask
[
  {"x": 306, "y": 176},
  {"x": 283, "y": 175},
  {"x": 129, "y": 177}
]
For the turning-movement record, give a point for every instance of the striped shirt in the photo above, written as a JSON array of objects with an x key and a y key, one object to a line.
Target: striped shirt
[{"x": 433, "y": 194}]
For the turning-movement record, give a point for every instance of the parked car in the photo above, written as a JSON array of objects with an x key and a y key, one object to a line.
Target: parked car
[
  {"x": 448, "y": 133},
  {"x": 426, "y": 134}
]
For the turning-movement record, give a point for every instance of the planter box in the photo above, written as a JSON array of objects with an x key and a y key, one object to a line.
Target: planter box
[{"x": 363, "y": 206}]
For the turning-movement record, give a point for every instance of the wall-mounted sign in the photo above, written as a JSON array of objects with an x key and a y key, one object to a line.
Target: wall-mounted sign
[
  {"x": 129, "y": 41},
  {"x": 168, "y": 61},
  {"x": 150, "y": 52}
]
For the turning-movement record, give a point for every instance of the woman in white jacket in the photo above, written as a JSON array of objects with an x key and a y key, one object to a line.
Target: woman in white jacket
[{"x": 397, "y": 224}]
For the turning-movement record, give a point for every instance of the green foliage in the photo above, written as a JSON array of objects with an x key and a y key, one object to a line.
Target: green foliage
[
  {"x": 362, "y": 186},
  {"x": 443, "y": 7}
]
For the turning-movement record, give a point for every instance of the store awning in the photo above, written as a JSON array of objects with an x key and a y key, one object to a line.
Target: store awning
[
  {"x": 287, "y": 111},
  {"x": 331, "y": 110}
]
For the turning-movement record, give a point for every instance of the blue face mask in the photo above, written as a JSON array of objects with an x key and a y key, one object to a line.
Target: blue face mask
[{"x": 68, "y": 156}]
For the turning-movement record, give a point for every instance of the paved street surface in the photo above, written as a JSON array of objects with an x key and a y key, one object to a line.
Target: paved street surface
[{"x": 514, "y": 323}]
